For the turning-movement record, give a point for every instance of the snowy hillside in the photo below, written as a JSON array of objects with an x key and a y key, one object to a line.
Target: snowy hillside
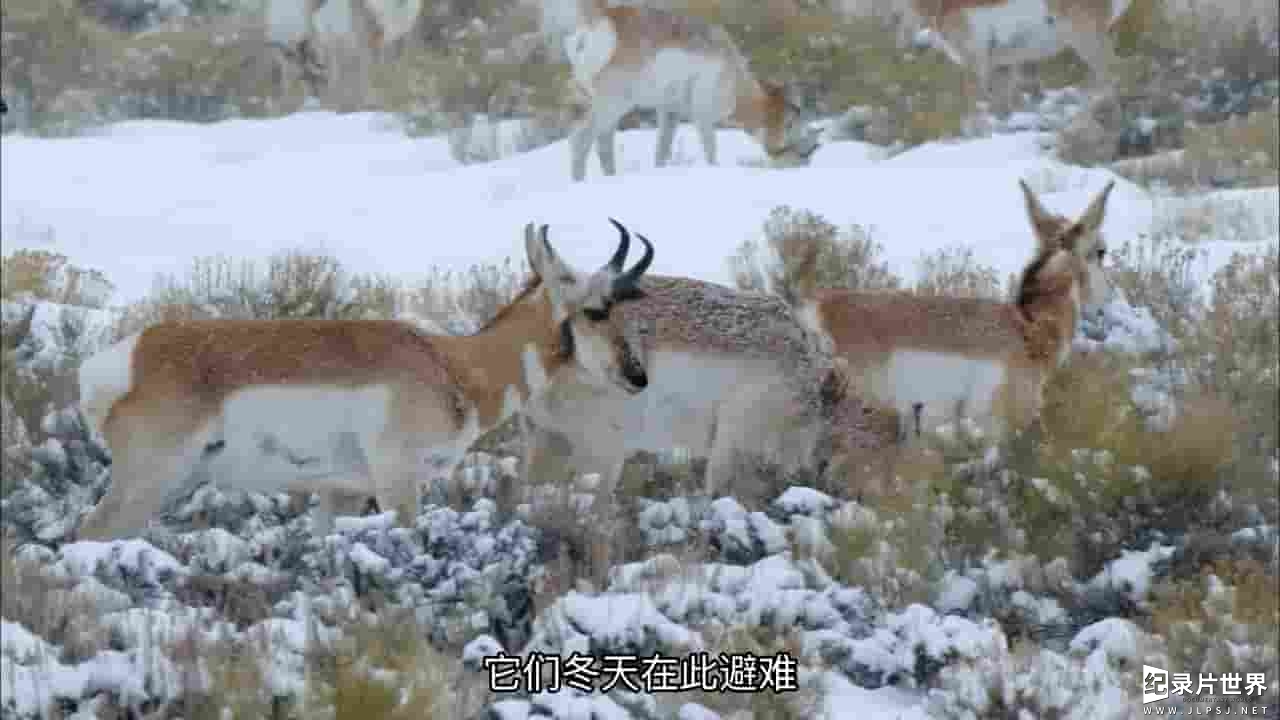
[
  {"x": 939, "y": 606},
  {"x": 145, "y": 197}
]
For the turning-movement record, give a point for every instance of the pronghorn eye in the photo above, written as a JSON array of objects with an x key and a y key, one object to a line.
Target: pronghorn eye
[
  {"x": 596, "y": 314},
  {"x": 1102, "y": 253}
]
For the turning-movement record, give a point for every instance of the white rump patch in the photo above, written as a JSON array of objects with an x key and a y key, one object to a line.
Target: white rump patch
[{"x": 105, "y": 377}]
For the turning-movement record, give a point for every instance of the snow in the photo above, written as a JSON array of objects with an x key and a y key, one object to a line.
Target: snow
[
  {"x": 1132, "y": 571},
  {"x": 846, "y": 701},
  {"x": 134, "y": 556},
  {"x": 146, "y": 197}
]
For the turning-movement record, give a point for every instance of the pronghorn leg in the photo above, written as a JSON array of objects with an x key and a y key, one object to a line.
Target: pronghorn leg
[
  {"x": 395, "y": 484},
  {"x": 707, "y": 134},
  {"x": 666, "y": 136},
  {"x": 147, "y": 459},
  {"x": 579, "y": 146},
  {"x": 547, "y": 458},
  {"x": 605, "y": 148}
]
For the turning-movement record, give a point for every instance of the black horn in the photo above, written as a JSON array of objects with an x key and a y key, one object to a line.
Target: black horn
[
  {"x": 624, "y": 246},
  {"x": 628, "y": 280}
]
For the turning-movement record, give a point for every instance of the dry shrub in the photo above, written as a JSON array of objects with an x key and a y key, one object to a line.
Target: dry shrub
[
  {"x": 462, "y": 302},
  {"x": 1237, "y": 346},
  {"x": 200, "y": 68},
  {"x": 1156, "y": 272},
  {"x": 51, "y": 277},
  {"x": 890, "y": 546},
  {"x": 383, "y": 670},
  {"x": 1182, "y": 67},
  {"x": 49, "y": 48},
  {"x": 295, "y": 284},
  {"x": 1244, "y": 149},
  {"x": 1225, "y": 621},
  {"x": 848, "y": 258},
  {"x": 760, "y": 642},
  {"x": 955, "y": 272}
]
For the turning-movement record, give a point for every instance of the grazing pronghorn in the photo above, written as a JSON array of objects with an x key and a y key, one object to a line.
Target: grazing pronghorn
[
  {"x": 986, "y": 34},
  {"x": 300, "y": 405},
  {"x": 321, "y": 36},
  {"x": 729, "y": 372},
  {"x": 625, "y": 58},
  {"x": 929, "y": 357}
]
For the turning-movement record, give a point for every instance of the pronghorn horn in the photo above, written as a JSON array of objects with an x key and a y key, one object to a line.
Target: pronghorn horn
[
  {"x": 624, "y": 246},
  {"x": 629, "y": 279}
]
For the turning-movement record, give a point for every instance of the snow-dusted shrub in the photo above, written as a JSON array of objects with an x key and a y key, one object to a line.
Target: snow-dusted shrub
[
  {"x": 1032, "y": 682},
  {"x": 846, "y": 258},
  {"x": 890, "y": 550}
]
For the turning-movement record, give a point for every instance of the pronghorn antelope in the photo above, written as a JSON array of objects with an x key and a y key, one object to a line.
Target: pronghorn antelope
[
  {"x": 320, "y": 36},
  {"x": 986, "y": 34},
  {"x": 301, "y": 405},
  {"x": 928, "y": 357},
  {"x": 625, "y": 58},
  {"x": 728, "y": 372}
]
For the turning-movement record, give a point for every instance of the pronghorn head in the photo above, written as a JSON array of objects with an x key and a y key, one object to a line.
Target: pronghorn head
[
  {"x": 581, "y": 307},
  {"x": 1075, "y": 247},
  {"x": 787, "y": 137}
]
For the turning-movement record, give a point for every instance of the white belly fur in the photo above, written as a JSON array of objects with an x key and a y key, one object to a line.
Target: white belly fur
[
  {"x": 678, "y": 410},
  {"x": 298, "y": 438},
  {"x": 1019, "y": 31},
  {"x": 941, "y": 382},
  {"x": 674, "y": 80}
]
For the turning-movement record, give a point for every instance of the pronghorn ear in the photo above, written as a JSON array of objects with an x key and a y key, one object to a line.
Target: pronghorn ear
[
  {"x": 1093, "y": 216},
  {"x": 535, "y": 251},
  {"x": 543, "y": 260},
  {"x": 1044, "y": 223}
]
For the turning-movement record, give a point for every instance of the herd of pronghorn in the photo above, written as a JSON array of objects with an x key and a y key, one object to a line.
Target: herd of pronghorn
[
  {"x": 597, "y": 365},
  {"x": 593, "y": 365},
  {"x": 627, "y": 57}
]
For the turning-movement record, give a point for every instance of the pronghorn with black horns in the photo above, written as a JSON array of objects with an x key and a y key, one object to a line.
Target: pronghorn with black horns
[
  {"x": 345, "y": 407},
  {"x": 729, "y": 372},
  {"x": 927, "y": 356},
  {"x": 628, "y": 57}
]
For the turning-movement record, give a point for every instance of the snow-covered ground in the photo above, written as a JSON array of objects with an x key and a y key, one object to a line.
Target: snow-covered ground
[{"x": 141, "y": 198}]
